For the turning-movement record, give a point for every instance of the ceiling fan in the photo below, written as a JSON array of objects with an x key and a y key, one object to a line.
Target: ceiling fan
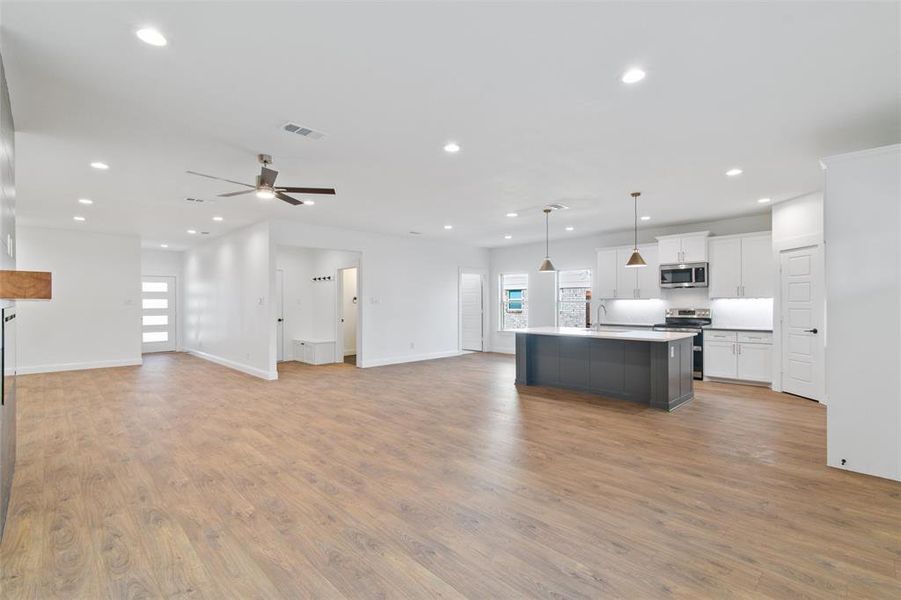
[{"x": 265, "y": 187}]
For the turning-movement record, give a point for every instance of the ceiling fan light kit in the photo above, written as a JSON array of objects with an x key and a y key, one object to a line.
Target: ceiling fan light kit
[{"x": 265, "y": 187}]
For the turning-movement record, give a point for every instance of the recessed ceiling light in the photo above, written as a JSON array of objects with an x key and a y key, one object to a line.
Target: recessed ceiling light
[
  {"x": 100, "y": 165},
  {"x": 151, "y": 36},
  {"x": 85, "y": 201},
  {"x": 164, "y": 245},
  {"x": 764, "y": 201},
  {"x": 79, "y": 219},
  {"x": 218, "y": 219},
  {"x": 570, "y": 228},
  {"x": 508, "y": 237},
  {"x": 512, "y": 214},
  {"x": 646, "y": 218},
  {"x": 448, "y": 226},
  {"x": 192, "y": 231},
  {"x": 633, "y": 75},
  {"x": 452, "y": 147},
  {"x": 734, "y": 171}
]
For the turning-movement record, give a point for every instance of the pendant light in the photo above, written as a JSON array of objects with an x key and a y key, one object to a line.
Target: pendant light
[
  {"x": 546, "y": 265},
  {"x": 636, "y": 260}
]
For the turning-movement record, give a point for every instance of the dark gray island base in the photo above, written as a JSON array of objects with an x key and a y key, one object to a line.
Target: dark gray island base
[{"x": 650, "y": 367}]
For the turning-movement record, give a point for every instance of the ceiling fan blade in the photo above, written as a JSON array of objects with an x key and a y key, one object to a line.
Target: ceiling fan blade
[
  {"x": 220, "y": 179},
  {"x": 229, "y": 194},
  {"x": 287, "y": 199},
  {"x": 307, "y": 190},
  {"x": 267, "y": 177}
]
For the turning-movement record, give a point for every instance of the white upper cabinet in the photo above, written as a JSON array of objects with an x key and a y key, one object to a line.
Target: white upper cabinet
[
  {"x": 670, "y": 249},
  {"x": 758, "y": 269},
  {"x": 725, "y": 267},
  {"x": 615, "y": 280},
  {"x": 694, "y": 248},
  {"x": 649, "y": 276},
  {"x": 742, "y": 266},
  {"x": 684, "y": 248},
  {"x": 606, "y": 274}
]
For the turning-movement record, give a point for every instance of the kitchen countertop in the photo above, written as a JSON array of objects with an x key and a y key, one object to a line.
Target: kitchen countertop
[
  {"x": 717, "y": 328},
  {"x": 634, "y": 325},
  {"x": 635, "y": 335}
]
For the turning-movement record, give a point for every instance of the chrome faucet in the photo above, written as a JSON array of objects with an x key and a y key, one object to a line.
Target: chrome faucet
[{"x": 597, "y": 314}]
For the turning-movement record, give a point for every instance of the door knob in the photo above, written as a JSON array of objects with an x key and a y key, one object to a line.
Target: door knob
[
  {"x": 280, "y": 320},
  {"x": 814, "y": 330}
]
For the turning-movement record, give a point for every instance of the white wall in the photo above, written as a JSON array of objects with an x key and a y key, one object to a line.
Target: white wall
[
  {"x": 408, "y": 291},
  {"x": 228, "y": 311},
  {"x": 581, "y": 252},
  {"x": 797, "y": 223},
  {"x": 863, "y": 294},
  {"x": 310, "y": 306},
  {"x": 93, "y": 319},
  {"x": 168, "y": 263}
]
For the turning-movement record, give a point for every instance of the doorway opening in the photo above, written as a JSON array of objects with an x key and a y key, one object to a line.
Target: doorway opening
[
  {"x": 348, "y": 303},
  {"x": 158, "y": 333},
  {"x": 316, "y": 307},
  {"x": 280, "y": 314},
  {"x": 472, "y": 310}
]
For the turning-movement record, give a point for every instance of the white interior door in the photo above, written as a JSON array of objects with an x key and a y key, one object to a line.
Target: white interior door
[
  {"x": 471, "y": 292},
  {"x": 802, "y": 323},
  {"x": 158, "y": 314},
  {"x": 280, "y": 313}
]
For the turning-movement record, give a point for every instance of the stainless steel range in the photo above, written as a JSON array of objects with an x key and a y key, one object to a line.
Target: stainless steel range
[{"x": 691, "y": 320}]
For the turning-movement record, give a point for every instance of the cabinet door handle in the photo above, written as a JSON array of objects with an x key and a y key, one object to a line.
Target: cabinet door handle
[
  {"x": 814, "y": 330},
  {"x": 738, "y": 290},
  {"x": 733, "y": 348},
  {"x": 742, "y": 291}
]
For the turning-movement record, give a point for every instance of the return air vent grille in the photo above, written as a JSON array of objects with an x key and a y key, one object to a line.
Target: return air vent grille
[{"x": 304, "y": 131}]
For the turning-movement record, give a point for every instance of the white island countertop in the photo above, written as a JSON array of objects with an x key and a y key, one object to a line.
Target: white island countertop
[{"x": 633, "y": 335}]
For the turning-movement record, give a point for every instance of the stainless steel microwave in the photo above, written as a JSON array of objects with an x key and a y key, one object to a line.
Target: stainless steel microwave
[{"x": 685, "y": 275}]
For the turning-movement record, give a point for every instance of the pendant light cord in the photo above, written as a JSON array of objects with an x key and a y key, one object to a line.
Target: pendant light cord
[
  {"x": 547, "y": 233},
  {"x": 635, "y": 196}
]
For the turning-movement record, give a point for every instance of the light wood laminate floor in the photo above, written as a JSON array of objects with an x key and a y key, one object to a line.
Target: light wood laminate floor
[{"x": 439, "y": 479}]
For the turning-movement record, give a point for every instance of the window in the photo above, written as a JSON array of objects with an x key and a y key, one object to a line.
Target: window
[
  {"x": 514, "y": 301},
  {"x": 574, "y": 298}
]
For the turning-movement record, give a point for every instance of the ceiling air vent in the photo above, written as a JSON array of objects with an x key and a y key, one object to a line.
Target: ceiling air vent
[{"x": 304, "y": 131}]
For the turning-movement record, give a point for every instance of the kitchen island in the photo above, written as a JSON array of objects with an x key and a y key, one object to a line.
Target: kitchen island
[{"x": 650, "y": 367}]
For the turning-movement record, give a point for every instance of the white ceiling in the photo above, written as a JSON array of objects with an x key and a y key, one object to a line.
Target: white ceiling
[{"x": 530, "y": 91}]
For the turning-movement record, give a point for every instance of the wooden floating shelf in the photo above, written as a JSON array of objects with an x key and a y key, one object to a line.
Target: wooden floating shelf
[{"x": 25, "y": 285}]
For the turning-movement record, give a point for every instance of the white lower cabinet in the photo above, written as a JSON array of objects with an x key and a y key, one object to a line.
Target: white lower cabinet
[
  {"x": 743, "y": 356},
  {"x": 754, "y": 362},
  {"x": 720, "y": 360}
]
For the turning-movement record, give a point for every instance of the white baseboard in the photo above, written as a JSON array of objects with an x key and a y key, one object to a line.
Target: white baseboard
[
  {"x": 79, "y": 366},
  {"x": 396, "y": 360},
  {"x": 267, "y": 375}
]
